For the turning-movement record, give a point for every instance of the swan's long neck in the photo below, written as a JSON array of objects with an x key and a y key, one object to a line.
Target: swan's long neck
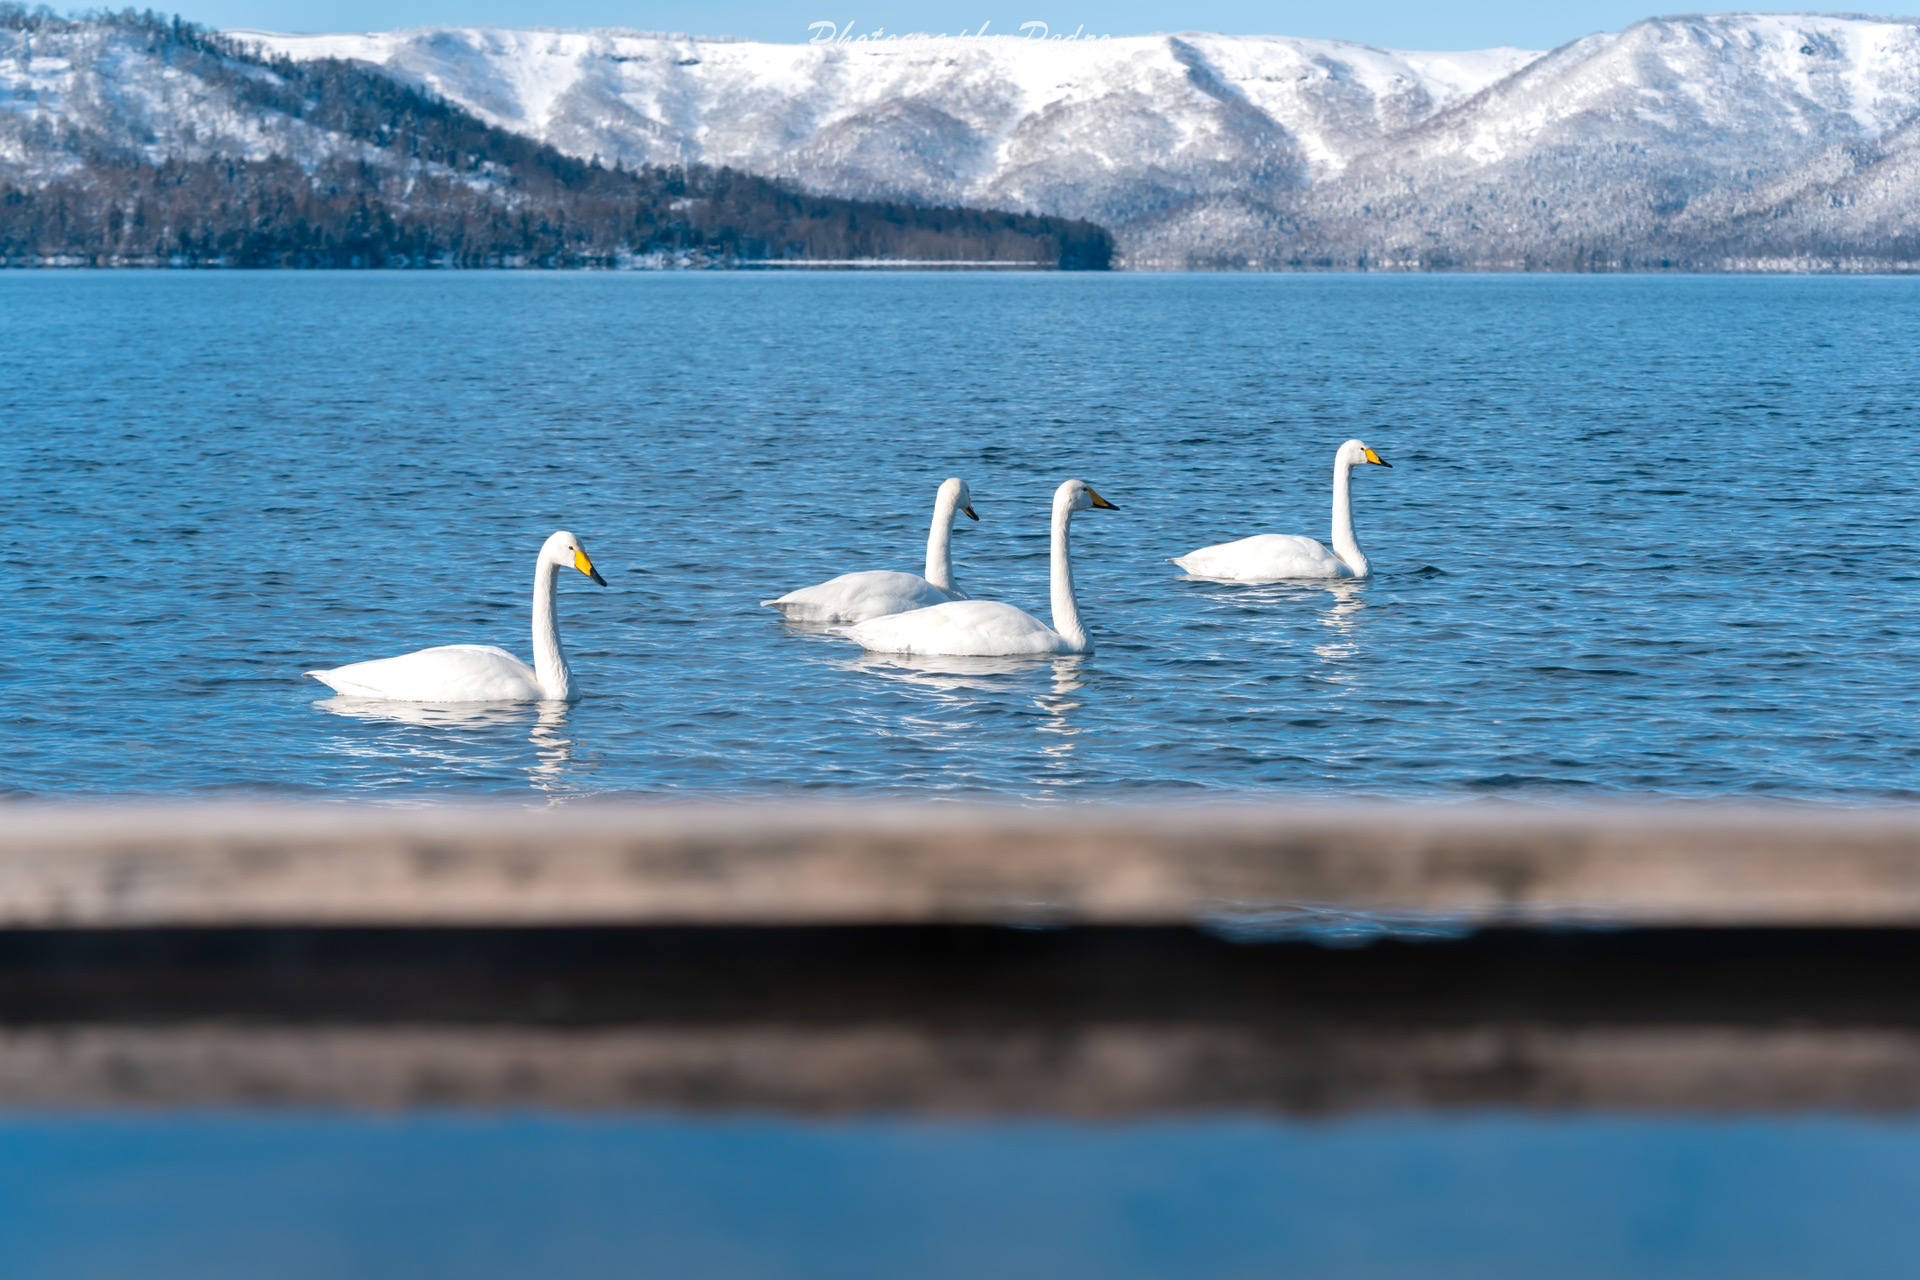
[
  {"x": 1066, "y": 611},
  {"x": 549, "y": 659},
  {"x": 1345, "y": 545},
  {"x": 940, "y": 543}
]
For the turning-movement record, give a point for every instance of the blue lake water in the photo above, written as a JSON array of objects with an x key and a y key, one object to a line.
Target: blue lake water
[
  {"x": 307, "y": 1196},
  {"x": 1646, "y": 536}
]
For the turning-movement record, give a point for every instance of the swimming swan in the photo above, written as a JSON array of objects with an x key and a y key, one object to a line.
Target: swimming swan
[
  {"x": 1272, "y": 557},
  {"x": 986, "y": 628},
  {"x": 855, "y": 597},
  {"x": 480, "y": 672}
]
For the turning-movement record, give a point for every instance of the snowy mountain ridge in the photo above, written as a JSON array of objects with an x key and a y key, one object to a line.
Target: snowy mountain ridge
[
  {"x": 1110, "y": 129},
  {"x": 1721, "y": 142},
  {"x": 1683, "y": 139},
  {"x": 673, "y": 99}
]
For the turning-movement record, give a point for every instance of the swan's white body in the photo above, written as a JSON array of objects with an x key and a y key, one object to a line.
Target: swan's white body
[
  {"x": 1268, "y": 557},
  {"x": 856, "y": 597},
  {"x": 448, "y": 673},
  {"x": 987, "y": 628},
  {"x": 1275, "y": 557},
  {"x": 968, "y": 629},
  {"x": 478, "y": 672}
]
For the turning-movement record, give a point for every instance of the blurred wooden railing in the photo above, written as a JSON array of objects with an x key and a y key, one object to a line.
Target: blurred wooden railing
[
  {"x": 958, "y": 959},
  {"x": 1473, "y": 865}
]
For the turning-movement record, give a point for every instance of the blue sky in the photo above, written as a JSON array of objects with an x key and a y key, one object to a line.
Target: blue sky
[{"x": 1403, "y": 24}]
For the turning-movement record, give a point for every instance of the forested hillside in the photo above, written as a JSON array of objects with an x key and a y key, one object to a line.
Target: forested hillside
[{"x": 137, "y": 139}]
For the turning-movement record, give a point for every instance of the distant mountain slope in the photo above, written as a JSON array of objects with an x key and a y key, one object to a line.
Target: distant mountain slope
[
  {"x": 1708, "y": 142},
  {"x": 129, "y": 138},
  {"x": 1109, "y": 130},
  {"x": 1694, "y": 141}
]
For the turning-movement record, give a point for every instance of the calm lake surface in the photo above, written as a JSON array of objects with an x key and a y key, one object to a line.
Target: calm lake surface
[
  {"x": 314, "y": 1197},
  {"x": 1641, "y": 536}
]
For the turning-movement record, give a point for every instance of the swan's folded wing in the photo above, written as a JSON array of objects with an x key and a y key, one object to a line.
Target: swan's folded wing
[
  {"x": 856, "y": 597},
  {"x": 961, "y": 628},
  {"x": 448, "y": 673},
  {"x": 1265, "y": 557}
]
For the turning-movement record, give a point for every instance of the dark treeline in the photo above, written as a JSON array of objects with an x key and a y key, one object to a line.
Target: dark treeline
[{"x": 426, "y": 183}]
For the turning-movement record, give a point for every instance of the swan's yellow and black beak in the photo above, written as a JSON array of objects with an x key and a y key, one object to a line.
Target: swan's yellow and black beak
[
  {"x": 1101, "y": 502},
  {"x": 971, "y": 513},
  {"x": 585, "y": 566},
  {"x": 1376, "y": 460}
]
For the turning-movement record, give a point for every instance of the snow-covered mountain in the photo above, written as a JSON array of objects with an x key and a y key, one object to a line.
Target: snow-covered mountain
[
  {"x": 75, "y": 92},
  {"x": 1113, "y": 130},
  {"x": 129, "y": 138},
  {"x": 1708, "y": 141},
  {"x": 1705, "y": 140}
]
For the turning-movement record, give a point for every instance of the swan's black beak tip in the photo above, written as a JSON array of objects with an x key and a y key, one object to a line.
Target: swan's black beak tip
[
  {"x": 971, "y": 513},
  {"x": 595, "y": 575}
]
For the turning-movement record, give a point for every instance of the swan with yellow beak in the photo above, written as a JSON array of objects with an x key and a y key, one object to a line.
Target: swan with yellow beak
[
  {"x": 477, "y": 672},
  {"x": 988, "y": 628},
  {"x": 1276, "y": 557}
]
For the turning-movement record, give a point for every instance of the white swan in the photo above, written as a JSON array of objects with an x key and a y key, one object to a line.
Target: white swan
[
  {"x": 986, "y": 628},
  {"x": 479, "y": 672},
  {"x": 855, "y": 597},
  {"x": 1273, "y": 557}
]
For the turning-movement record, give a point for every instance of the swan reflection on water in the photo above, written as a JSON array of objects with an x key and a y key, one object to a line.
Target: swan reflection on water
[
  {"x": 544, "y": 723},
  {"x": 948, "y": 674},
  {"x": 963, "y": 683},
  {"x": 1276, "y": 607},
  {"x": 1343, "y": 621},
  {"x": 1060, "y": 705}
]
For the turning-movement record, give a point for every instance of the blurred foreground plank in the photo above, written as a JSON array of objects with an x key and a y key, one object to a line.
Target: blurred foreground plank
[
  {"x": 1472, "y": 865},
  {"x": 1095, "y": 1073}
]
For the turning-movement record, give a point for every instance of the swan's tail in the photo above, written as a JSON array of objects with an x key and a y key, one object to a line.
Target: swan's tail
[{"x": 345, "y": 687}]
